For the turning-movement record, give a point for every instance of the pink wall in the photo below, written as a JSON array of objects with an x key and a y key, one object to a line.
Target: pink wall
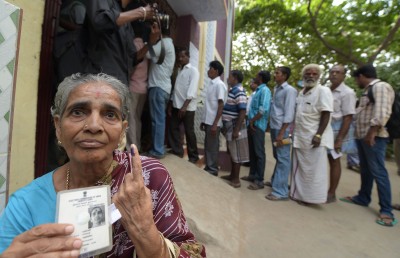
[
  {"x": 221, "y": 37},
  {"x": 187, "y": 24}
]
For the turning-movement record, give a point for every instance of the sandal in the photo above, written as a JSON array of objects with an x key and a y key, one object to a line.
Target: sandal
[
  {"x": 234, "y": 185},
  {"x": 227, "y": 177},
  {"x": 247, "y": 178},
  {"x": 331, "y": 198},
  {"x": 272, "y": 197},
  {"x": 350, "y": 199},
  {"x": 396, "y": 207},
  {"x": 303, "y": 203},
  {"x": 255, "y": 187},
  {"x": 386, "y": 221}
]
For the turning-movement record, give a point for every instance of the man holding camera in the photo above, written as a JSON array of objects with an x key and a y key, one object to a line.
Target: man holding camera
[
  {"x": 109, "y": 37},
  {"x": 162, "y": 60}
]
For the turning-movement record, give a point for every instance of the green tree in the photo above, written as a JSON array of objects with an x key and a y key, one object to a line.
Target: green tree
[{"x": 297, "y": 32}]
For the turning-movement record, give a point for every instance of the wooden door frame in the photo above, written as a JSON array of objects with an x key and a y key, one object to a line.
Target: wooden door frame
[{"x": 45, "y": 87}]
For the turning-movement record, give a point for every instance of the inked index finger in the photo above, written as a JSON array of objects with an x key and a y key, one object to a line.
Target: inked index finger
[{"x": 136, "y": 164}]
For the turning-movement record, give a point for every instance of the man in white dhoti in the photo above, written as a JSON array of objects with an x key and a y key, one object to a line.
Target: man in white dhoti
[{"x": 312, "y": 137}]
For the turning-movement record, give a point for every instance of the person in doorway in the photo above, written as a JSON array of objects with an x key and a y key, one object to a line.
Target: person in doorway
[
  {"x": 110, "y": 36},
  {"x": 138, "y": 94},
  {"x": 162, "y": 60}
]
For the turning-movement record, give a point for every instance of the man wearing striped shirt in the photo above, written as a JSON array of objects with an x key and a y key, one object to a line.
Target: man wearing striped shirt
[
  {"x": 234, "y": 125},
  {"x": 372, "y": 138}
]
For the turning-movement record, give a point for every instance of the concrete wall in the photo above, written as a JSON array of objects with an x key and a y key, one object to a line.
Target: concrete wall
[{"x": 24, "y": 120}]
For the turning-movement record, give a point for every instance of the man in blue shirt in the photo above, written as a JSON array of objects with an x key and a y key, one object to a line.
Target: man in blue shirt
[
  {"x": 282, "y": 115},
  {"x": 258, "y": 121}
]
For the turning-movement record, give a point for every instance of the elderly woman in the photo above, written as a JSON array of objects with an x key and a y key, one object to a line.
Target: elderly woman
[
  {"x": 90, "y": 114},
  {"x": 96, "y": 217}
]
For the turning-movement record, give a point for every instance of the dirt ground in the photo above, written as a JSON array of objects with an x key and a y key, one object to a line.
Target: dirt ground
[{"x": 242, "y": 223}]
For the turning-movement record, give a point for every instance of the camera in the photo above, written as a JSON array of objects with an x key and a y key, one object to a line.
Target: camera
[
  {"x": 141, "y": 28},
  {"x": 161, "y": 18}
]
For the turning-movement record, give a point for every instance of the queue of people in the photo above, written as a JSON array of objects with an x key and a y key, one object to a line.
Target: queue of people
[{"x": 310, "y": 132}]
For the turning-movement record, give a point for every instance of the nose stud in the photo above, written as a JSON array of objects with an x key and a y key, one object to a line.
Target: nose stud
[{"x": 86, "y": 126}]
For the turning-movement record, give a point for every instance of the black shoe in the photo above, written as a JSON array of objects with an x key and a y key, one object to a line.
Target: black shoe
[
  {"x": 211, "y": 172},
  {"x": 246, "y": 164},
  {"x": 175, "y": 153},
  {"x": 150, "y": 155},
  {"x": 194, "y": 161}
]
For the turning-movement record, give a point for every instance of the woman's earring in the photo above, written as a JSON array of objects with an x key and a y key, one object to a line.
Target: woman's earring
[{"x": 59, "y": 143}]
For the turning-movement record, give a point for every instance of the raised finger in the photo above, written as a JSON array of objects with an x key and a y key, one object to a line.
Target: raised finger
[{"x": 136, "y": 164}]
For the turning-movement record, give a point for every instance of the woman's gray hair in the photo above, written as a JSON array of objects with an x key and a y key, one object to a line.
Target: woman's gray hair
[
  {"x": 312, "y": 66},
  {"x": 71, "y": 82}
]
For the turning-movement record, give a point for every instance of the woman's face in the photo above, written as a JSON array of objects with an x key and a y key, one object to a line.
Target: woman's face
[
  {"x": 96, "y": 216},
  {"x": 91, "y": 126}
]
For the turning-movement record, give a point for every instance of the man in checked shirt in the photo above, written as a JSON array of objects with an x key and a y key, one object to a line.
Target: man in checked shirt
[{"x": 372, "y": 139}]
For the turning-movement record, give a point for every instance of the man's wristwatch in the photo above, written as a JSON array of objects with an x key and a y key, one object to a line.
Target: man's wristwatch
[{"x": 318, "y": 136}]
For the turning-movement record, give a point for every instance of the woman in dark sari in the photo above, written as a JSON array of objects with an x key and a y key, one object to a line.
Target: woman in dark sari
[{"x": 90, "y": 114}]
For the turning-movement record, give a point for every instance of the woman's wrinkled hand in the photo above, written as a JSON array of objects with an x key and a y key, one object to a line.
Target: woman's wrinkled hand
[
  {"x": 133, "y": 200},
  {"x": 47, "y": 240}
]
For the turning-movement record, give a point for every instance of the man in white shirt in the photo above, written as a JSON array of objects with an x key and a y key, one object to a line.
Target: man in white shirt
[
  {"x": 344, "y": 107},
  {"x": 182, "y": 107},
  {"x": 211, "y": 122}
]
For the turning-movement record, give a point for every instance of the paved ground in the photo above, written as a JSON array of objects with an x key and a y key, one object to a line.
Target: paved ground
[{"x": 242, "y": 223}]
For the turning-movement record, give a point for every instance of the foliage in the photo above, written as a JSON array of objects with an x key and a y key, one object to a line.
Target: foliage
[
  {"x": 298, "y": 32},
  {"x": 390, "y": 74}
]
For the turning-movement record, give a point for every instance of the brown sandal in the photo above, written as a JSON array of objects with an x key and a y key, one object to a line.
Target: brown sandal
[
  {"x": 227, "y": 177},
  {"x": 254, "y": 186},
  {"x": 396, "y": 207},
  {"x": 247, "y": 178},
  {"x": 234, "y": 185},
  {"x": 272, "y": 197}
]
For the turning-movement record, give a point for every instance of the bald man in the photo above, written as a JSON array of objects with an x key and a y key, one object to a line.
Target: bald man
[{"x": 344, "y": 102}]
